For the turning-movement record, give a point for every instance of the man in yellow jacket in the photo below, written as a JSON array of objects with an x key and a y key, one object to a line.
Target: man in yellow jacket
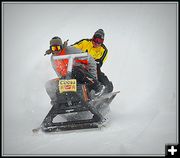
[{"x": 98, "y": 51}]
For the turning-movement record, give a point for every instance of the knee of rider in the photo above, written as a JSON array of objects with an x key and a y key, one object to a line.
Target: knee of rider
[{"x": 101, "y": 74}]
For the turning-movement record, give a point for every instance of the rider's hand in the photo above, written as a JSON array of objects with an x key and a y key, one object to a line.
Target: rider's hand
[{"x": 99, "y": 63}]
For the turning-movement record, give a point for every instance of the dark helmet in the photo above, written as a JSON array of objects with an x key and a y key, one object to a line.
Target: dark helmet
[
  {"x": 55, "y": 45},
  {"x": 99, "y": 34},
  {"x": 98, "y": 37},
  {"x": 56, "y": 41}
]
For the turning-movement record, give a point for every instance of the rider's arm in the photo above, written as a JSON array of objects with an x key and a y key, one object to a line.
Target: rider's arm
[
  {"x": 82, "y": 44},
  {"x": 92, "y": 67},
  {"x": 103, "y": 58}
]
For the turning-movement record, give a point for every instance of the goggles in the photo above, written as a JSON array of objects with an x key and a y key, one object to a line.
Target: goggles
[
  {"x": 55, "y": 48},
  {"x": 98, "y": 40}
]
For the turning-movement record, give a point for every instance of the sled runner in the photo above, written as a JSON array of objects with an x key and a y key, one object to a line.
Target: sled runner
[{"x": 74, "y": 100}]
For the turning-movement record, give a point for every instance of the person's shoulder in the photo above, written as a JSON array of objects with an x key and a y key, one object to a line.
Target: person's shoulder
[{"x": 71, "y": 49}]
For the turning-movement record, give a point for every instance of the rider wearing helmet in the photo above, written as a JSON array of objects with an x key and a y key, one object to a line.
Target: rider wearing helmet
[{"x": 98, "y": 51}]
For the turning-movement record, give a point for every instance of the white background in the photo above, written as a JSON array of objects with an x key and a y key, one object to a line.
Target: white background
[{"x": 142, "y": 64}]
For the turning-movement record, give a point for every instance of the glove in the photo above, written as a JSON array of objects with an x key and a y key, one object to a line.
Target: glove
[
  {"x": 48, "y": 52},
  {"x": 99, "y": 63},
  {"x": 65, "y": 44}
]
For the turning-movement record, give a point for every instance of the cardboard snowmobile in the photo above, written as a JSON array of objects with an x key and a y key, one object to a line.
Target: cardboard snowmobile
[{"x": 76, "y": 106}]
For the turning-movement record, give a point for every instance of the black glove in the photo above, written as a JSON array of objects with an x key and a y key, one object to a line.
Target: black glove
[
  {"x": 99, "y": 63},
  {"x": 47, "y": 52}
]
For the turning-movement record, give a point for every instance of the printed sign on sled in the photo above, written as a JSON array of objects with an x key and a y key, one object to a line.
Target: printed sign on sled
[{"x": 67, "y": 85}]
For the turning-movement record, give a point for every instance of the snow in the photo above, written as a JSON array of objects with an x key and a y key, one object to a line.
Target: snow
[{"x": 142, "y": 64}]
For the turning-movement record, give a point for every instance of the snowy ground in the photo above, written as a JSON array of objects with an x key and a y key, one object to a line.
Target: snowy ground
[{"x": 142, "y": 63}]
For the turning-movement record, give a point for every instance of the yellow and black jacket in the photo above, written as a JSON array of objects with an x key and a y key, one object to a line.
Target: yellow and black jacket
[{"x": 99, "y": 53}]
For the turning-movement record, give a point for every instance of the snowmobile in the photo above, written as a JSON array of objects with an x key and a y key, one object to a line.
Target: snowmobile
[{"x": 76, "y": 107}]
